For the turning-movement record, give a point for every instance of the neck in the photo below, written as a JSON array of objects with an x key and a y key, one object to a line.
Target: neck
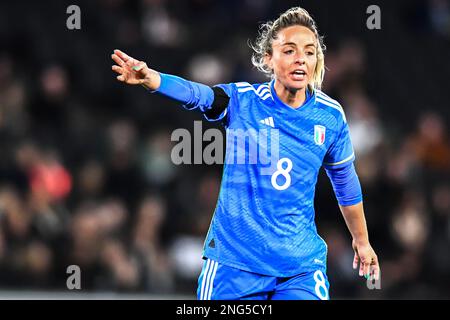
[{"x": 292, "y": 97}]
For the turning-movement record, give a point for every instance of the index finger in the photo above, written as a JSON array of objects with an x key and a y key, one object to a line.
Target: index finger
[
  {"x": 118, "y": 60},
  {"x": 122, "y": 55}
]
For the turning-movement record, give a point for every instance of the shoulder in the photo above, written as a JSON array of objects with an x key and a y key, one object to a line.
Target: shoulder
[
  {"x": 256, "y": 90},
  {"x": 331, "y": 105}
]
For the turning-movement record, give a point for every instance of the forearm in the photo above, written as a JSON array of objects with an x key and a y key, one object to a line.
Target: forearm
[
  {"x": 356, "y": 222},
  {"x": 211, "y": 101},
  {"x": 190, "y": 94},
  {"x": 347, "y": 189},
  {"x": 364, "y": 253}
]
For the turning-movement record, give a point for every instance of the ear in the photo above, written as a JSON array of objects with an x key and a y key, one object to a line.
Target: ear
[{"x": 268, "y": 61}]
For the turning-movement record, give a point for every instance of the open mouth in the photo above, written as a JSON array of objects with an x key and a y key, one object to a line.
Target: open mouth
[
  {"x": 298, "y": 75},
  {"x": 299, "y": 72}
]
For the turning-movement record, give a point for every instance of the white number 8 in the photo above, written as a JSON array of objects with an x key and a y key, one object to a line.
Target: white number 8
[
  {"x": 283, "y": 172},
  {"x": 320, "y": 284}
]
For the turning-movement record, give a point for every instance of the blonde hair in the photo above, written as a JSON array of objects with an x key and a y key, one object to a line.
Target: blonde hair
[{"x": 269, "y": 31}]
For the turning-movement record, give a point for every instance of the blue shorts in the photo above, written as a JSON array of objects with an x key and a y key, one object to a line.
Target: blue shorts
[{"x": 221, "y": 282}]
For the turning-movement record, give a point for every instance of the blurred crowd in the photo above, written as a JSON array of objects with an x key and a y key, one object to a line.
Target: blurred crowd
[{"x": 86, "y": 176}]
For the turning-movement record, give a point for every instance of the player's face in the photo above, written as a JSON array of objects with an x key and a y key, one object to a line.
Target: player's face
[{"x": 294, "y": 57}]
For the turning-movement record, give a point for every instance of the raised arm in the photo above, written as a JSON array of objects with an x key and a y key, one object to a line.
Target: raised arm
[{"x": 211, "y": 101}]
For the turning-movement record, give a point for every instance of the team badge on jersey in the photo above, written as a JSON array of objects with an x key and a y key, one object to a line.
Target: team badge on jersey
[{"x": 319, "y": 134}]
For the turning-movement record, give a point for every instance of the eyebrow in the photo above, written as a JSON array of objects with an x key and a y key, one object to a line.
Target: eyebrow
[{"x": 295, "y": 45}]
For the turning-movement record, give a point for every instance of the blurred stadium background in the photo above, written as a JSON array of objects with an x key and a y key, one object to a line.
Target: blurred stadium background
[{"x": 86, "y": 176}]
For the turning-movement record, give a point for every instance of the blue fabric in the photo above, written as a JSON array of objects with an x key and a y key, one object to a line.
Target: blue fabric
[
  {"x": 220, "y": 282},
  {"x": 191, "y": 94},
  {"x": 264, "y": 221},
  {"x": 345, "y": 184}
]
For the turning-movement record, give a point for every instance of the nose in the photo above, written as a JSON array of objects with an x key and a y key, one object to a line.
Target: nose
[{"x": 300, "y": 59}]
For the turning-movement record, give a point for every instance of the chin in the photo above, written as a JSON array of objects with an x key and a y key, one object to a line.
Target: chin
[
  {"x": 293, "y": 85},
  {"x": 297, "y": 85}
]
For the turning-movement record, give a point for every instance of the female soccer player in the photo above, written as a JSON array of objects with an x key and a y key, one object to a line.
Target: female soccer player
[{"x": 263, "y": 242}]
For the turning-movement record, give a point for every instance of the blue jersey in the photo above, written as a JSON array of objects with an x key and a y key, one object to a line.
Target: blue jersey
[{"x": 264, "y": 218}]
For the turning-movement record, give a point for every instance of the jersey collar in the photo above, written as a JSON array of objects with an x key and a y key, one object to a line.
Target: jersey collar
[{"x": 310, "y": 99}]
